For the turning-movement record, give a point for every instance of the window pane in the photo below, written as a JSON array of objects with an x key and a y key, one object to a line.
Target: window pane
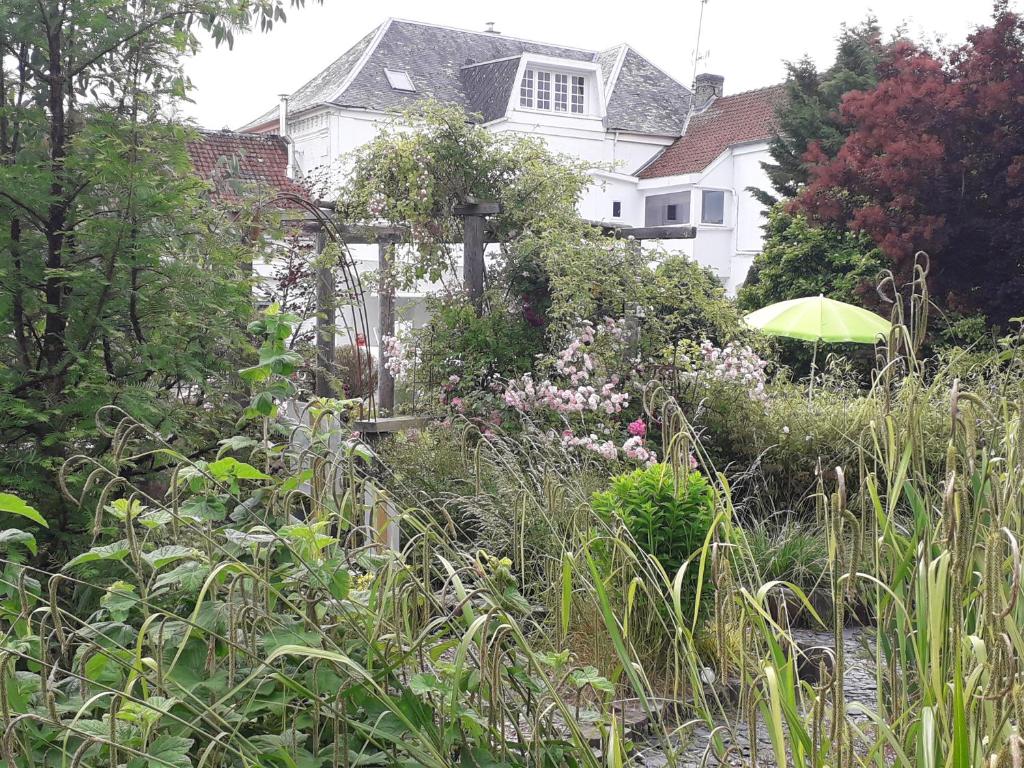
[
  {"x": 526, "y": 89},
  {"x": 561, "y": 93},
  {"x": 712, "y": 208},
  {"x": 399, "y": 80},
  {"x": 656, "y": 209},
  {"x": 616, "y": 209},
  {"x": 543, "y": 90},
  {"x": 577, "y": 94}
]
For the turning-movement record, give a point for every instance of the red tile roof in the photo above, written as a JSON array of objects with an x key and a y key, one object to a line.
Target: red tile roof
[
  {"x": 232, "y": 162},
  {"x": 748, "y": 116}
]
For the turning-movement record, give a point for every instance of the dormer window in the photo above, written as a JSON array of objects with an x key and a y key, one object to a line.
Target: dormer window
[
  {"x": 399, "y": 80},
  {"x": 535, "y": 91}
]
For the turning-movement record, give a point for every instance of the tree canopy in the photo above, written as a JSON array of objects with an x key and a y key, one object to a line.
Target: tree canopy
[
  {"x": 934, "y": 161},
  {"x": 119, "y": 285}
]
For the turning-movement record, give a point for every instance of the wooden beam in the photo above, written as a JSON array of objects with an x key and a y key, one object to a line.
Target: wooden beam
[
  {"x": 473, "y": 260},
  {"x": 477, "y": 209},
  {"x": 649, "y": 233},
  {"x": 385, "y": 324}
]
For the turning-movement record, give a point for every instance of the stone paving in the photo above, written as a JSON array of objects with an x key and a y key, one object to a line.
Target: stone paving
[{"x": 859, "y": 686}]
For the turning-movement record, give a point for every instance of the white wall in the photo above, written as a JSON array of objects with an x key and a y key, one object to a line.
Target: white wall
[{"x": 729, "y": 248}]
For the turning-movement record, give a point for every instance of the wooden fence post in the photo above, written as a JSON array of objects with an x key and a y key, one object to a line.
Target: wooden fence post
[
  {"x": 385, "y": 322},
  {"x": 473, "y": 217},
  {"x": 326, "y": 318}
]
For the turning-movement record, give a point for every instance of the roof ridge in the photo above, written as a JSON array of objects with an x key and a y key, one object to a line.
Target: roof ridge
[
  {"x": 752, "y": 90},
  {"x": 613, "y": 78},
  {"x": 492, "y": 34},
  {"x": 237, "y": 134}
]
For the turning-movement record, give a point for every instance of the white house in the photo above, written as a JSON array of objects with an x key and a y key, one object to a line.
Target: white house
[{"x": 677, "y": 156}]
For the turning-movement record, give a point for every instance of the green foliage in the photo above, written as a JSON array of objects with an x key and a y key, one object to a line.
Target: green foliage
[
  {"x": 271, "y": 618},
  {"x": 434, "y": 158},
  {"x": 685, "y": 300},
  {"x": 800, "y": 259},
  {"x": 668, "y": 512},
  {"x": 118, "y": 283},
  {"x": 500, "y": 344},
  {"x": 270, "y": 378},
  {"x": 788, "y": 550}
]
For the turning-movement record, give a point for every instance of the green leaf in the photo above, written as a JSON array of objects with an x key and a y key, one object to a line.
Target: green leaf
[
  {"x": 14, "y": 536},
  {"x": 229, "y": 467},
  {"x": 117, "y": 551},
  {"x": 119, "y": 599},
  {"x": 166, "y": 750},
  {"x": 423, "y": 683},
  {"x": 162, "y": 556},
  {"x": 590, "y": 676},
  {"x": 17, "y": 506},
  {"x": 236, "y": 443},
  {"x": 188, "y": 576},
  {"x": 203, "y": 508}
]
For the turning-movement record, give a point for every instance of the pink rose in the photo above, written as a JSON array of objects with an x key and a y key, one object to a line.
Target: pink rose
[{"x": 637, "y": 428}]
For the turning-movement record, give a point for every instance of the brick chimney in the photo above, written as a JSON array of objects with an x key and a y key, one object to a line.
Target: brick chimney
[{"x": 706, "y": 87}]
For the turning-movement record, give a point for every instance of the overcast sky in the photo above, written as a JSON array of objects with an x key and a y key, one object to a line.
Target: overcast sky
[{"x": 744, "y": 40}]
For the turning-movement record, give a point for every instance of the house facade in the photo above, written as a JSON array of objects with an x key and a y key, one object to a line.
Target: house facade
[{"x": 663, "y": 154}]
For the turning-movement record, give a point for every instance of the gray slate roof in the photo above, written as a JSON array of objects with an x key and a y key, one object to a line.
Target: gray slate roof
[
  {"x": 487, "y": 86},
  {"x": 643, "y": 98},
  {"x": 440, "y": 60}
]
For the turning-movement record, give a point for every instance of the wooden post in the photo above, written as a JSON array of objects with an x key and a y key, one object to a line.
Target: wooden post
[
  {"x": 385, "y": 323},
  {"x": 473, "y": 248},
  {"x": 326, "y": 317}
]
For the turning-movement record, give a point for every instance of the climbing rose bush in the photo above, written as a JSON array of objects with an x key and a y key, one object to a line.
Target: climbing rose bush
[
  {"x": 738, "y": 364},
  {"x": 394, "y": 355},
  {"x": 583, "y": 389}
]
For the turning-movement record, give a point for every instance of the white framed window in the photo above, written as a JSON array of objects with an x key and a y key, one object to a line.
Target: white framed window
[
  {"x": 616, "y": 209},
  {"x": 561, "y": 92},
  {"x": 526, "y": 89},
  {"x": 399, "y": 80},
  {"x": 712, "y": 206},
  {"x": 667, "y": 209},
  {"x": 577, "y": 94},
  {"x": 555, "y": 91},
  {"x": 543, "y": 90}
]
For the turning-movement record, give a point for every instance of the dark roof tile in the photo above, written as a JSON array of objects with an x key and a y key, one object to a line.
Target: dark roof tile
[{"x": 644, "y": 100}]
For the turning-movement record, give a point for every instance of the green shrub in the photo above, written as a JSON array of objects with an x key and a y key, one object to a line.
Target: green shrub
[
  {"x": 790, "y": 551},
  {"x": 668, "y": 515},
  {"x": 686, "y": 301}
]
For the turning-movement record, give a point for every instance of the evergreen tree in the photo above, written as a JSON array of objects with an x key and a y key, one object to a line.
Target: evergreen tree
[{"x": 809, "y": 115}]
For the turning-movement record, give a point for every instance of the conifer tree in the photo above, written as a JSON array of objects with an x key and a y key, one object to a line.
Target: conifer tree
[{"x": 809, "y": 115}]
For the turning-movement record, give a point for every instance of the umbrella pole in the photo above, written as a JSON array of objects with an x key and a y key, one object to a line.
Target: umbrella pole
[{"x": 814, "y": 366}]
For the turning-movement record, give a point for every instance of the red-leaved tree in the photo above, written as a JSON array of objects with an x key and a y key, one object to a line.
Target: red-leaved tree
[{"x": 935, "y": 162}]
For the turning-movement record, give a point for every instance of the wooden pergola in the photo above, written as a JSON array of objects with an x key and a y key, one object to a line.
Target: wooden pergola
[{"x": 477, "y": 234}]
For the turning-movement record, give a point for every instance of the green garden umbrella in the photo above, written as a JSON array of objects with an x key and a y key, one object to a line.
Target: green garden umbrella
[{"x": 816, "y": 318}]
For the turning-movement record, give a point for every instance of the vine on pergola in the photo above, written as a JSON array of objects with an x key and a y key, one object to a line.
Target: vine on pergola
[{"x": 430, "y": 160}]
